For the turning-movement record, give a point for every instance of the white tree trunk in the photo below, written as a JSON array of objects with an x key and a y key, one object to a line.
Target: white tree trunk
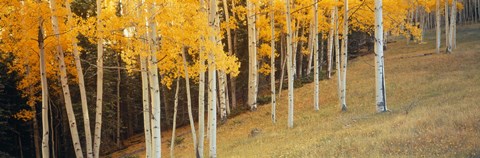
[
  {"x": 44, "y": 84},
  {"x": 452, "y": 29},
  {"x": 272, "y": 61},
  {"x": 252, "y": 55},
  {"x": 315, "y": 56},
  {"x": 310, "y": 48},
  {"x": 155, "y": 88},
  {"x": 201, "y": 96},
  {"x": 345, "y": 56},
  {"x": 381, "y": 100},
  {"x": 330, "y": 41},
  {"x": 99, "y": 101},
  {"x": 289, "y": 65},
  {"x": 223, "y": 101},
  {"x": 174, "y": 127},
  {"x": 72, "y": 123},
  {"x": 81, "y": 86},
  {"x": 146, "y": 107},
  {"x": 338, "y": 57},
  {"x": 447, "y": 29},
  {"x": 212, "y": 95},
  {"x": 189, "y": 101},
  {"x": 438, "y": 32}
]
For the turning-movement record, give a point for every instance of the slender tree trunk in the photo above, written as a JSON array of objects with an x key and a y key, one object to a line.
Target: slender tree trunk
[
  {"x": 119, "y": 80},
  {"x": 64, "y": 81},
  {"x": 272, "y": 61},
  {"x": 81, "y": 86},
  {"x": 212, "y": 98},
  {"x": 99, "y": 101},
  {"x": 155, "y": 86},
  {"x": 379, "y": 64},
  {"x": 283, "y": 63},
  {"x": 221, "y": 91},
  {"x": 189, "y": 101},
  {"x": 453, "y": 25},
  {"x": 201, "y": 95},
  {"x": 146, "y": 107},
  {"x": 338, "y": 57},
  {"x": 315, "y": 56},
  {"x": 451, "y": 38},
  {"x": 174, "y": 127},
  {"x": 44, "y": 85},
  {"x": 345, "y": 56},
  {"x": 437, "y": 19},
  {"x": 289, "y": 65},
  {"x": 310, "y": 49},
  {"x": 252, "y": 51},
  {"x": 330, "y": 42},
  {"x": 447, "y": 29}
]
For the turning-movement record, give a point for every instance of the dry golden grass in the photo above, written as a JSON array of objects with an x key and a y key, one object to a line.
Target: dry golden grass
[{"x": 434, "y": 102}]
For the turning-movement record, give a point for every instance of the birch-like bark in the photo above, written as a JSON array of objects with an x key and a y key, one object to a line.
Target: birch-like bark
[
  {"x": 189, "y": 101},
  {"x": 146, "y": 107},
  {"x": 230, "y": 52},
  {"x": 252, "y": 54},
  {"x": 174, "y": 127},
  {"x": 44, "y": 85},
  {"x": 81, "y": 86},
  {"x": 99, "y": 100},
  {"x": 289, "y": 65},
  {"x": 381, "y": 100},
  {"x": 155, "y": 86},
  {"x": 201, "y": 95},
  {"x": 221, "y": 91},
  {"x": 345, "y": 56},
  {"x": 310, "y": 48},
  {"x": 272, "y": 61},
  {"x": 330, "y": 42},
  {"x": 315, "y": 56},
  {"x": 72, "y": 123},
  {"x": 438, "y": 29},
  {"x": 447, "y": 28},
  {"x": 337, "y": 56},
  {"x": 451, "y": 38},
  {"x": 212, "y": 95}
]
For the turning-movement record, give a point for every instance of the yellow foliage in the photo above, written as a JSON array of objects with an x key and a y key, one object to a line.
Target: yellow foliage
[{"x": 24, "y": 115}]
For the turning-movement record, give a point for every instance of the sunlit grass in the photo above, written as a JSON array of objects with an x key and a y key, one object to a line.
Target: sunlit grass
[{"x": 434, "y": 102}]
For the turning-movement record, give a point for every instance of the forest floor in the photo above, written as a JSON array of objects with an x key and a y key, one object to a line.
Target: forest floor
[{"x": 434, "y": 103}]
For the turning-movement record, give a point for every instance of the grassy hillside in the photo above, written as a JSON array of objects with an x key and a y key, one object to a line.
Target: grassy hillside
[{"x": 434, "y": 103}]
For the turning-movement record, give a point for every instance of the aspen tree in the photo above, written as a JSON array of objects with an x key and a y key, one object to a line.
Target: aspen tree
[
  {"x": 201, "y": 95},
  {"x": 438, "y": 29},
  {"x": 344, "y": 60},
  {"x": 99, "y": 99},
  {"x": 212, "y": 97},
  {"x": 330, "y": 41},
  {"x": 146, "y": 107},
  {"x": 272, "y": 61},
  {"x": 44, "y": 85},
  {"x": 381, "y": 100},
  {"x": 289, "y": 64},
  {"x": 154, "y": 83},
  {"x": 174, "y": 127},
  {"x": 81, "y": 86},
  {"x": 252, "y": 54},
  {"x": 189, "y": 101},
  {"x": 64, "y": 81},
  {"x": 315, "y": 56}
]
